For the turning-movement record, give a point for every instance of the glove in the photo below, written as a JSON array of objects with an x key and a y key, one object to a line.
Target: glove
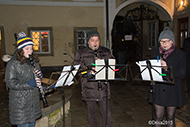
[
  {"x": 32, "y": 83},
  {"x": 39, "y": 73}
]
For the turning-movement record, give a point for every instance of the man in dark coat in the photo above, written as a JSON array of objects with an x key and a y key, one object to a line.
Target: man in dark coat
[
  {"x": 186, "y": 47},
  {"x": 90, "y": 92}
]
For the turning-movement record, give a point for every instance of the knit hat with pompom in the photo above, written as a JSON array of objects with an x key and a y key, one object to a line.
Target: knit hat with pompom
[
  {"x": 166, "y": 34},
  {"x": 23, "y": 40}
]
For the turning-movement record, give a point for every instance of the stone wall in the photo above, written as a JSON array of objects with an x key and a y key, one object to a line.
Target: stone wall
[{"x": 53, "y": 115}]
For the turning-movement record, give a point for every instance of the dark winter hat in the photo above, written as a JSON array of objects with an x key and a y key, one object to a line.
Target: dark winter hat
[
  {"x": 166, "y": 34},
  {"x": 23, "y": 40},
  {"x": 92, "y": 33}
]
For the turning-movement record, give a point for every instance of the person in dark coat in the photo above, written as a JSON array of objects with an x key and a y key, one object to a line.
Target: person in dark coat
[
  {"x": 24, "y": 99},
  {"x": 90, "y": 93},
  {"x": 169, "y": 96},
  {"x": 186, "y": 47}
]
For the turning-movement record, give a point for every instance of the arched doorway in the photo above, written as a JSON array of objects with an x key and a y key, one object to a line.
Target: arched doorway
[{"x": 136, "y": 32}]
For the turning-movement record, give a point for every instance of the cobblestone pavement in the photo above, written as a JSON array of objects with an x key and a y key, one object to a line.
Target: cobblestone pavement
[
  {"x": 128, "y": 104},
  {"x": 4, "y": 113},
  {"x": 129, "y": 107}
]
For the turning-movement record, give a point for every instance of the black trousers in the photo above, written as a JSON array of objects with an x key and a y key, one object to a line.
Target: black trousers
[{"x": 92, "y": 114}]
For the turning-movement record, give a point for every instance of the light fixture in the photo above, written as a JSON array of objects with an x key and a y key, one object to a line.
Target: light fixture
[{"x": 182, "y": 2}]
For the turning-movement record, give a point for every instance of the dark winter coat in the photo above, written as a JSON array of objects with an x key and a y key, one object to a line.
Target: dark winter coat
[
  {"x": 186, "y": 47},
  {"x": 85, "y": 57},
  {"x": 172, "y": 94},
  {"x": 24, "y": 101}
]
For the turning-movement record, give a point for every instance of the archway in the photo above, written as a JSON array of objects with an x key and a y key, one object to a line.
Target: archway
[{"x": 137, "y": 23}]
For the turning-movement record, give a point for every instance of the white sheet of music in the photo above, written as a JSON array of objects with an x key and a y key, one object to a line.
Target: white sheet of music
[
  {"x": 111, "y": 73},
  {"x": 99, "y": 65},
  {"x": 146, "y": 75},
  {"x": 64, "y": 75},
  {"x": 102, "y": 74}
]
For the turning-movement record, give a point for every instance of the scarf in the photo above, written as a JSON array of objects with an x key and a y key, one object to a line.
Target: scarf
[{"x": 167, "y": 52}]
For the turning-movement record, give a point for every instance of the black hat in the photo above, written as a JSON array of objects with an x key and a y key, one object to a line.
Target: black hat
[
  {"x": 166, "y": 34},
  {"x": 92, "y": 33}
]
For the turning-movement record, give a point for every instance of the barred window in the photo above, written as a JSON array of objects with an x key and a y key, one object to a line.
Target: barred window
[
  {"x": 152, "y": 40},
  {"x": 81, "y": 36},
  {"x": 42, "y": 41},
  {"x": 183, "y": 31}
]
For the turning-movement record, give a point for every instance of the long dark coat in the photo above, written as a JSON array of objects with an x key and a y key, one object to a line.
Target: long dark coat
[
  {"x": 186, "y": 47},
  {"x": 168, "y": 94},
  {"x": 24, "y": 101},
  {"x": 85, "y": 57}
]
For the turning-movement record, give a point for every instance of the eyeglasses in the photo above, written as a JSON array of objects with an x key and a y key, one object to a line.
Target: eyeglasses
[{"x": 166, "y": 42}]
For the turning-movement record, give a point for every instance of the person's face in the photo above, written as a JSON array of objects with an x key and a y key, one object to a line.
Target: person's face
[
  {"x": 94, "y": 42},
  {"x": 166, "y": 43},
  {"x": 27, "y": 50}
]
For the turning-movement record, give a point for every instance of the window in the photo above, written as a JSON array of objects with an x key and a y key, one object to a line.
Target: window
[
  {"x": 152, "y": 40},
  {"x": 183, "y": 31},
  {"x": 42, "y": 38},
  {"x": 81, "y": 36}
]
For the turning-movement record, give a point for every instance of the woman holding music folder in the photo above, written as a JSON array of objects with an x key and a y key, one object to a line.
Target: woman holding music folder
[
  {"x": 169, "y": 96},
  {"x": 24, "y": 99}
]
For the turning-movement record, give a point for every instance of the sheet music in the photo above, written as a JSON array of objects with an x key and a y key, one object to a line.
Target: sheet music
[
  {"x": 102, "y": 74},
  {"x": 111, "y": 73},
  {"x": 145, "y": 74},
  {"x": 64, "y": 75}
]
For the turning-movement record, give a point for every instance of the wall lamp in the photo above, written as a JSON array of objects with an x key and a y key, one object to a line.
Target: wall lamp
[{"x": 182, "y": 2}]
